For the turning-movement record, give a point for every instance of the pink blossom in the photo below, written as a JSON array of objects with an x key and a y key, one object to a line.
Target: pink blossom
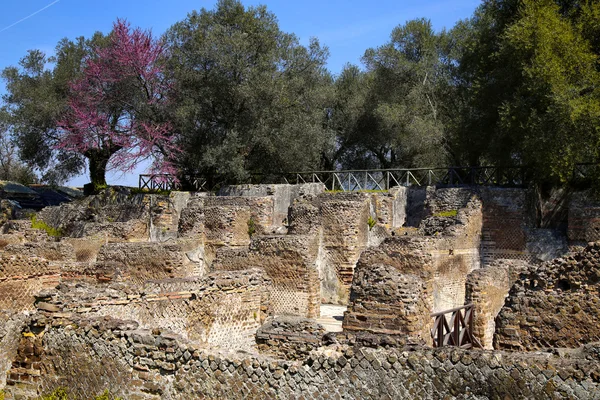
[{"x": 115, "y": 106}]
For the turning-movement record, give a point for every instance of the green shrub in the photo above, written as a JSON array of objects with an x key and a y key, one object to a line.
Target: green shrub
[
  {"x": 58, "y": 394},
  {"x": 449, "y": 213},
  {"x": 35, "y": 224},
  {"x": 61, "y": 394},
  {"x": 1, "y": 394},
  {"x": 251, "y": 227},
  {"x": 371, "y": 222}
]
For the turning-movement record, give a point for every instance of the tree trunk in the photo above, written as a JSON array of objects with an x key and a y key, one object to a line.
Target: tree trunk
[{"x": 98, "y": 160}]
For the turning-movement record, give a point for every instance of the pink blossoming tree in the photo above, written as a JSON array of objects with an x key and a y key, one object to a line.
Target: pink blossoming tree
[{"x": 116, "y": 116}]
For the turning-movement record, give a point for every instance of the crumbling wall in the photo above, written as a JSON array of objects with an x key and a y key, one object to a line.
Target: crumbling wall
[
  {"x": 165, "y": 214},
  {"x": 88, "y": 356},
  {"x": 283, "y": 196},
  {"x": 51, "y": 251},
  {"x": 398, "y": 284},
  {"x": 11, "y": 326},
  {"x": 290, "y": 261},
  {"x": 21, "y": 277},
  {"x": 138, "y": 262},
  {"x": 289, "y": 337},
  {"x": 554, "y": 305},
  {"x": 392, "y": 291},
  {"x": 344, "y": 217},
  {"x": 487, "y": 289},
  {"x": 455, "y": 224},
  {"x": 222, "y": 309}
]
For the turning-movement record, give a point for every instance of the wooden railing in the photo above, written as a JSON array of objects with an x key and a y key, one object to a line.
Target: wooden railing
[{"x": 456, "y": 331}]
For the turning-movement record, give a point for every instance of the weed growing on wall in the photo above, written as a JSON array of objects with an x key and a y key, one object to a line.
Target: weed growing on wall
[
  {"x": 449, "y": 213},
  {"x": 251, "y": 227},
  {"x": 371, "y": 222},
  {"x": 62, "y": 394},
  {"x": 35, "y": 224}
]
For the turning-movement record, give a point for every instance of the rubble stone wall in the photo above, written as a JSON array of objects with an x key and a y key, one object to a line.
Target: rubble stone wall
[
  {"x": 392, "y": 291},
  {"x": 11, "y": 326},
  {"x": 554, "y": 305},
  {"x": 89, "y": 356}
]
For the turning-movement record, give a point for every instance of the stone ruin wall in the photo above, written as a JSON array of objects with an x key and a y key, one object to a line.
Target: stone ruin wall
[
  {"x": 221, "y": 309},
  {"x": 91, "y": 355},
  {"x": 392, "y": 291},
  {"x": 487, "y": 289},
  {"x": 583, "y": 218},
  {"x": 554, "y": 305},
  {"x": 22, "y": 277},
  {"x": 138, "y": 262},
  {"x": 290, "y": 263},
  {"x": 305, "y": 261}
]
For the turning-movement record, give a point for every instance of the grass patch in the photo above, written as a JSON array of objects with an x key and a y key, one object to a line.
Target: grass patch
[
  {"x": 449, "y": 213},
  {"x": 41, "y": 225}
]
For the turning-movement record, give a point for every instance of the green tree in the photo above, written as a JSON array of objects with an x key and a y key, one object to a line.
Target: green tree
[
  {"x": 529, "y": 84},
  {"x": 251, "y": 98},
  {"x": 390, "y": 114},
  {"x": 36, "y": 99},
  {"x": 11, "y": 167}
]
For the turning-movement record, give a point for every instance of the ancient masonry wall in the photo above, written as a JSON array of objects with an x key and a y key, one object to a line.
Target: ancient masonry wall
[
  {"x": 392, "y": 291},
  {"x": 138, "y": 262},
  {"x": 457, "y": 242},
  {"x": 89, "y": 356},
  {"x": 506, "y": 218},
  {"x": 344, "y": 217},
  {"x": 554, "y": 305},
  {"x": 398, "y": 284},
  {"x": 22, "y": 277},
  {"x": 283, "y": 196},
  {"x": 11, "y": 326},
  {"x": 221, "y": 309},
  {"x": 584, "y": 218},
  {"x": 290, "y": 262},
  {"x": 487, "y": 289}
]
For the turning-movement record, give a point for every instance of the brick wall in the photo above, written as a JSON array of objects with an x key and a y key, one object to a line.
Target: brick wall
[
  {"x": 139, "y": 262},
  {"x": 290, "y": 261}
]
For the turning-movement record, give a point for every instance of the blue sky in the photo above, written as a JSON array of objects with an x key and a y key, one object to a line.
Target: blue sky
[{"x": 347, "y": 27}]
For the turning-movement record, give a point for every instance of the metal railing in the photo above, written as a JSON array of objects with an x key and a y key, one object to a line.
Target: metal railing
[
  {"x": 376, "y": 179},
  {"x": 384, "y": 179},
  {"x": 169, "y": 182},
  {"x": 455, "y": 331}
]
